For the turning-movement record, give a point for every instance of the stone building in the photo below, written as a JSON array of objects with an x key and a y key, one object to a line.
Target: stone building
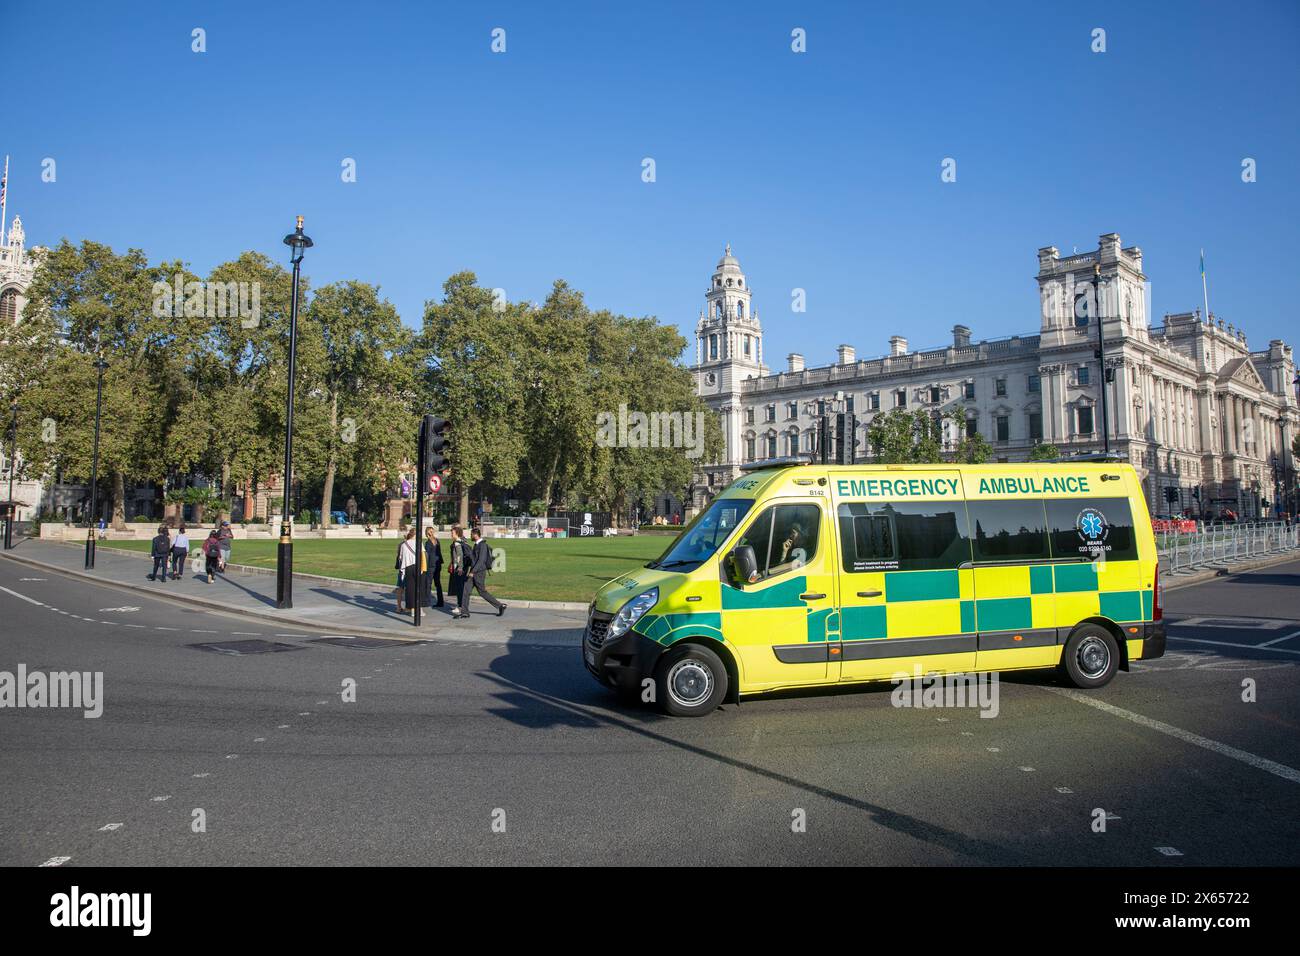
[
  {"x": 17, "y": 267},
  {"x": 1207, "y": 422}
]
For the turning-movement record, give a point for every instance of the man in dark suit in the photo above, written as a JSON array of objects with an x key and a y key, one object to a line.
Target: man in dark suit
[
  {"x": 480, "y": 565},
  {"x": 433, "y": 562}
]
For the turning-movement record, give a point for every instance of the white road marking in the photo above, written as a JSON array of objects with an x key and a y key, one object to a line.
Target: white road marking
[
  {"x": 133, "y": 625},
  {"x": 1248, "y": 647},
  {"x": 1260, "y": 763},
  {"x": 200, "y": 776},
  {"x": 1064, "y": 790},
  {"x": 33, "y": 579},
  {"x": 1233, "y": 623},
  {"x": 247, "y": 633},
  {"x": 1027, "y": 769},
  {"x": 24, "y": 597},
  {"x": 1168, "y": 851},
  {"x": 994, "y": 750},
  {"x": 195, "y": 630},
  {"x": 259, "y": 740},
  {"x": 110, "y": 826},
  {"x": 166, "y": 628},
  {"x": 282, "y": 727},
  {"x": 125, "y": 609},
  {"x": 162, "y": 799},
  {"x": 1279, "y": 640},
  {"x": 56, "y": 861}
]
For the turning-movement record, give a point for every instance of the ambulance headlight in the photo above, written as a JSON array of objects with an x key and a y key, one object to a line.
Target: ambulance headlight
[{"x": 631, "y": 612}]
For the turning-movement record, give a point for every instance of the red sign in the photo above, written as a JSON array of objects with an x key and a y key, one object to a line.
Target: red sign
[{"x": 435, "y": 484}]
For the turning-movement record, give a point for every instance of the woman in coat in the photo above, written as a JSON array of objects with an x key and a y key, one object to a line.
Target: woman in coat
[{"x": 433, "y": 559}]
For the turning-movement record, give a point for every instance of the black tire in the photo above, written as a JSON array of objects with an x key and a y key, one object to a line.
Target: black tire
[
  {"x": 690, "y": 681},
  {"x": 1091, "y": 657}
]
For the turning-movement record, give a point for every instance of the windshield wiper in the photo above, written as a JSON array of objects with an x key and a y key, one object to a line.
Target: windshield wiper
[{"x": 673, "y": 564}]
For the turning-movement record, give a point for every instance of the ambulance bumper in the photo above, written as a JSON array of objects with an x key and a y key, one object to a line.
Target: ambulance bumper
[
  {"x": 619, "y": 662},
  {"x": 1153, "y": 640}
]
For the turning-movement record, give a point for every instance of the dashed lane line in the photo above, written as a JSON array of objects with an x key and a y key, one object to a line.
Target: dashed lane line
[
  {"x": 24, "y": 597},
  {"x": 1253, "y": 760}
]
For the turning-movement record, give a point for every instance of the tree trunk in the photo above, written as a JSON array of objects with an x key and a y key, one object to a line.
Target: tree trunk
[
  {"x": 119, "y": 502},
  {"x": 227, "y": 494},
  {"x": 327, "y": 493},
  {"x": 464, "y": 506}
]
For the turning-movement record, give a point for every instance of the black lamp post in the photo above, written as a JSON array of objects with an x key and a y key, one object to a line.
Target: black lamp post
[
  {"x": 1101, "y": 358},
  {"x": 13, "y": 463},
  {"x": 298, "y": 242},
  {"x": 100, "y": 365}
]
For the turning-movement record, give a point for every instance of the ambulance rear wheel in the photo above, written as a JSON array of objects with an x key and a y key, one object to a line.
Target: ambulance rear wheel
[
  {"x": 1091, "y": 657},
  {"x": 690, "y": 681}
]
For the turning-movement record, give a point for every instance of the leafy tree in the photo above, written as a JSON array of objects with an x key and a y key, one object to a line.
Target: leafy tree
[
  {"x": 901, "y": 436},
  {"x": 1044, "y": 451}
]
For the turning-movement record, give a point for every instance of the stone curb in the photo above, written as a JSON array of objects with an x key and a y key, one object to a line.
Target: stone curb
[{"x": 438, "y": 631}]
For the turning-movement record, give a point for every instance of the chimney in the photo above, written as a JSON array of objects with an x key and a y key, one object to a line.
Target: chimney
[
  {"x": 846, "y": 354},
  {"x": 796, "y": 362},
  {"x": 960, "y": 336},
  {"x": 897, "y": 345}
]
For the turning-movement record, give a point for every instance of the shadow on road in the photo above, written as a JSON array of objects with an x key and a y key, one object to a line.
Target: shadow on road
[{"x": 541, "y": 692}]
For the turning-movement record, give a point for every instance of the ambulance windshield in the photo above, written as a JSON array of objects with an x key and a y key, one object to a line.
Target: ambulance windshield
[{"x": 704, "y": 535}]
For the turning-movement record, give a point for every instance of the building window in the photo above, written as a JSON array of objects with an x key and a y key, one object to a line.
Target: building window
[
  {"x": 749, "y": 448},
  {"x": 792, "y": 410},
  {"x": 749, "y": 416},
  {"x": 934, "y": 394},
  {"x": 972, "y": 425},
  {"x": 740, "y": 310},
  {"x": 1036, "y": 425},
  {"x": 1035, "y": 383},
  {"x": 1082, "y": 377},
  {"x": 746, "y": 346},
  {"x": 900, "y": 398},
  {"x": 1085, "y": 421},
  {"x": 1003, "y": 424},
  {"x": 1081, "y": 309},
  {"x": 1000, "y": 386},
  {"x": 873, "y": 402},
  {"x": 9, "y": 307},
  {"x": 969, "y": 390},
  {"x": 713, "y": 348},
  {"x": 771, "y": 446},
  {"x": 770, "y": 414},
  {"x": 793, "y": 444}
]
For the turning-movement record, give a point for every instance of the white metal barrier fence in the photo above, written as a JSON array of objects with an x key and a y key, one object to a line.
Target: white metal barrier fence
[{"x": 1220, "y": 544}]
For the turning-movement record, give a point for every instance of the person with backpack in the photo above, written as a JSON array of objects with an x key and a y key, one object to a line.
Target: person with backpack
[
  {"x": 432, "y": 578},
  {"x": 407, "y": 573},
  {"x": 160, "y": 550},
  {"x": 480, "y": 565},
  {"x": 180, "y": 551},
  {"x": 458, "y": 574},
  {"x": 211, "y": 554}
]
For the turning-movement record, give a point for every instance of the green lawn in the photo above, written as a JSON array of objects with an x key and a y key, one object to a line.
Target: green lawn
[{"x": 540, "y": 569}]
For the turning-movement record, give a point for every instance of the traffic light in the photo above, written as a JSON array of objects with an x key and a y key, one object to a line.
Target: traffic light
[{"x": 432, "y": 445}]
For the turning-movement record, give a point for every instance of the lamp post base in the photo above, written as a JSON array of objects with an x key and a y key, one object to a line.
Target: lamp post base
[{"x": 284, "y": 574}]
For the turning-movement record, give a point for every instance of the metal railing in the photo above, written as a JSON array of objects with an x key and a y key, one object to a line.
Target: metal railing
[{"x": 1220, "y": 544}]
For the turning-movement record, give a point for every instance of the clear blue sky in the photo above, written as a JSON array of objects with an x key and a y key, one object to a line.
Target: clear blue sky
[{"x": 821, "y": 169}]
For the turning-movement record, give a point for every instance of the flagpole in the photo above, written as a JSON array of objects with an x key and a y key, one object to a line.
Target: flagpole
[
  {"x": 1205, "y": 292},
  {"x": 4, "y": 199}
]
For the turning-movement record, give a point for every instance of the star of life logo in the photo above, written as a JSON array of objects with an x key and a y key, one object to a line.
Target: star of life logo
[{"x": 1093, "y": 531}]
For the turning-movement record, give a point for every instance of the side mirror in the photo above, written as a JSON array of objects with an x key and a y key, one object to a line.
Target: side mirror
[{"x": 744, "y": 565}]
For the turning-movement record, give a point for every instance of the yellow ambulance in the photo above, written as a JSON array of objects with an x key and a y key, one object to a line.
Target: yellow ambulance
[{"x": 802, "y": 575}]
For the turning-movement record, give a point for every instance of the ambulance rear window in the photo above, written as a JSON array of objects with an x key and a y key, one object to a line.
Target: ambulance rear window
[{"x": 1092, "y": 527}]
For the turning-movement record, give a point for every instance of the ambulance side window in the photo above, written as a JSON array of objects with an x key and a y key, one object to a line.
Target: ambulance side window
[
  {"x": 784, "y": 538},
  {"x": 1088, "y": 527},
  {"x": 1011, "y": 530},
  {"x": 902, "y": 536}
]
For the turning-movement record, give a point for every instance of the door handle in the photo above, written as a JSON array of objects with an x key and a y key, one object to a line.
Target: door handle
[
  {"x": 811, "y": 596},
  {"x": 868, "y": 594}
]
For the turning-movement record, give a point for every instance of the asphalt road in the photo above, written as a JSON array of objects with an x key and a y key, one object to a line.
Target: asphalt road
[{"x": 492, "y": 754}]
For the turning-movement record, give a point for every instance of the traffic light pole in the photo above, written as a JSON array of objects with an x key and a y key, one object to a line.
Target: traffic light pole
[{"x": 419, "y": 524}]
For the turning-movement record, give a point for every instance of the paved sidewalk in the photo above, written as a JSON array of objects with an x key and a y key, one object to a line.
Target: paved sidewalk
[{"x": 334, "y": 607}]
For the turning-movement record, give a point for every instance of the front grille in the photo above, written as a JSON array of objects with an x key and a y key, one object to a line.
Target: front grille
[{"x": 598, "y": 627}]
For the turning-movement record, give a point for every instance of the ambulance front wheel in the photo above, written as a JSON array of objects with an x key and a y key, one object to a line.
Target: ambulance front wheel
[
  {"x": 690, "y": 681},
  {"x": 1091, "y": 657}
]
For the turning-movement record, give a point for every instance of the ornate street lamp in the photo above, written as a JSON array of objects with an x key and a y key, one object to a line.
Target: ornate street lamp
[
  {"x": 298, "y": 243},
  {"x": 13, "y": 463},
  {"x": 100, "y": 365},
  {"x": 1101, "y": 358}
]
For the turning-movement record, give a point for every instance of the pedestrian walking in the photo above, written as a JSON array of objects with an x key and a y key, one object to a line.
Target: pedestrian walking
[
  {"x": 225, "y": 536},
  {"x": 458, "y": 574},
  {"x": 433, "y": 561},
  {"x": 180, "y": 551},
  {"x": 161, "y": 551},
  {"x": 212, "y": 553},
  {"x": 407, "y": 573},
  {"x": 480, "y": 565}
]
